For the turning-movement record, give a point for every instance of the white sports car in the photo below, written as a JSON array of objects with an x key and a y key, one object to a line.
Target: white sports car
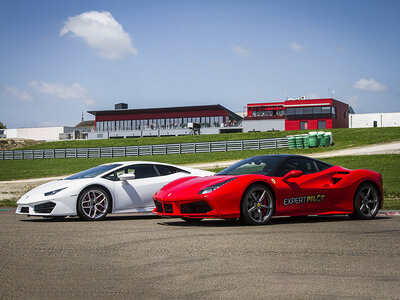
[{"x": 120, "y": 187}]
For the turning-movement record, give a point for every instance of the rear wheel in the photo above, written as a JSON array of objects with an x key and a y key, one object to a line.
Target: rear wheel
[
  {"x": 93, "y": 204},
  {"x": 258, "y": 205},
  {"x": 366, "y": 202}
]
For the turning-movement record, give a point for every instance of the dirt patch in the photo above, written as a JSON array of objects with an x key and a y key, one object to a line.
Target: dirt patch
[
  {"x": 15, "y": 190},
  {"x": 11, "y": 144}
]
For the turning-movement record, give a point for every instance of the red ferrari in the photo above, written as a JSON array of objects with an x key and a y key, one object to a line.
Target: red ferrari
[{"x": 257, "y": 188}]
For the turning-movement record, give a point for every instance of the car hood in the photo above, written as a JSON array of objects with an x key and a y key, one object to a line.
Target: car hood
[
  {"x": 38, "y": 192},
  {"x": 190, "y": 186}
]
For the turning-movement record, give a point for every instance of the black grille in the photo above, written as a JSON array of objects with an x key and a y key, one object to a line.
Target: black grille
[
  {"x": 199, "y": 207},
  {"x": 168, "y": 208},
  {"x": 44, "y": 208},
  {"x": 158, "y": 206},
  {"x": 24, "y": 210}
]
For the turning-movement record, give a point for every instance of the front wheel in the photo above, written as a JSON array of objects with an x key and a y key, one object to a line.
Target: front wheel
[
  {"x": 366, "y": 202},
  {"x": 258, "y": 205},
  {"x": 93, "y": 204}
]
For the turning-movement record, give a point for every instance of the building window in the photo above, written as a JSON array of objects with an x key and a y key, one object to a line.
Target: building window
[
  {"x": 321, "y": 124},
  {"x": 303, "y": 125}
]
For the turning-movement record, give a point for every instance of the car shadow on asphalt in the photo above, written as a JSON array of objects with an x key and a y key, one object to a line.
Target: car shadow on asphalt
[
  {"x": 108, "y": 218},
  {"x": 273, "y": 221}
]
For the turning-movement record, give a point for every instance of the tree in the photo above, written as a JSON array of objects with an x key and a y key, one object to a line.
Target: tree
[{"x": 3, "y": 126}]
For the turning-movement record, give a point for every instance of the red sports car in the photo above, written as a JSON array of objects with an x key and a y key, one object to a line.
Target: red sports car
[{"x": 257, "y": 188}]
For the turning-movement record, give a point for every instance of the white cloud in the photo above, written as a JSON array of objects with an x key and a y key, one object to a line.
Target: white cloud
[
  {"x": 240, "y": 51},
  {"x": 369, "y": 85},
  {"x": 102, "y": 32},
  {"x": 21, "y": 95},
  {"x": 296, "y": 47},
  {"x": 71, "y": 92}
]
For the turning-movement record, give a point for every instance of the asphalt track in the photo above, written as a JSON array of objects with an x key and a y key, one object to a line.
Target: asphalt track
[{"x": 146, "y": 257}]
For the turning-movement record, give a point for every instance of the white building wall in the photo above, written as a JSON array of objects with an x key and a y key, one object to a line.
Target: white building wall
[
  {"x": 38, "y": 133},
  {"x": 264, "y": 125},
  {"x": 370, "y": 120}
]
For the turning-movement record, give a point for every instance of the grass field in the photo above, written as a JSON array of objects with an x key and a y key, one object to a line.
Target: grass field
[
  {"x": 343, "y": 137},
  {"x": 388, "y": 165}
]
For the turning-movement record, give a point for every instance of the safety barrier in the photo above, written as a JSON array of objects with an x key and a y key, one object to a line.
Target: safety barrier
[{"x": 162, "y": 149}]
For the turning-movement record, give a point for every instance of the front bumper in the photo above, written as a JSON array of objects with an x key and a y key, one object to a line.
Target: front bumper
[
  {"x": 198, "y": 208},
  {"x": 65, "y": 206}
]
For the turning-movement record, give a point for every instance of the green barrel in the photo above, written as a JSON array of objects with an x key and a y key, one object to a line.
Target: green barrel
[
  {"x": 320, "y": 137},
  {"x": 291, "y": 142},
  {"x": 306, "y": 144},
  {"x": 299, "y": 141},
  {"x": 312, "y": 139},
  {"x": 328, "y": 138}
]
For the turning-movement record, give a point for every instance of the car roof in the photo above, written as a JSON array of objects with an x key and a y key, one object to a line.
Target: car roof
[{"x": 135, "y": 162}]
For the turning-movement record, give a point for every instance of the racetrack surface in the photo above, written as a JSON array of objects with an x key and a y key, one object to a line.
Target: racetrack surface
[{"x": 146, "y": 257}]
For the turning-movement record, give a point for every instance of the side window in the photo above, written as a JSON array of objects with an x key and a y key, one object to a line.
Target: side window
[
  {"x": 164, "y": 170},
  {"x": 307, "y": 166},
  {"x": 140, "y": 171},
  {"x": 111, "y": 176},
  {"x": 322, "y": 166},
  {"x": 167, "y": 170}
]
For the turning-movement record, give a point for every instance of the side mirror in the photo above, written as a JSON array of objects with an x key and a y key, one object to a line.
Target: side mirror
[
  {"x": 292, "y": 174},
  {"x": 126, "y": 177}
]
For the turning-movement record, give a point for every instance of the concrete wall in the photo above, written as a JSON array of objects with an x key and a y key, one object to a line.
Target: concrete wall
[
  {"x": 264, "y": 125},
  {"x": 367, "y": 120},
  {"x": 148, "y": 132},
  {"x": 38, "y": 133}
]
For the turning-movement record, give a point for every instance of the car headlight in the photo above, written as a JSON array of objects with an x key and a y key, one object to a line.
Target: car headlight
[
  {"x": 212, "y": 188},
  {"x": 54, "y": 192}
]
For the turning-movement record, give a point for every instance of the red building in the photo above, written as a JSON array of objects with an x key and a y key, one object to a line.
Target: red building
[{"x": 303, "y": 114}]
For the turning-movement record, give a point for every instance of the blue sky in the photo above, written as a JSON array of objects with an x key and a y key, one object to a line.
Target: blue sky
[{"x": 58, "y": 58}]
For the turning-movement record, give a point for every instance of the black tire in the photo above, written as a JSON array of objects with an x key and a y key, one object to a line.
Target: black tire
[
  {"x": 257, "y": 206},
  {"x": 366, "y": 202},
  {"x": 192, "y": 220},
  {"x": 94, "y": 203}
]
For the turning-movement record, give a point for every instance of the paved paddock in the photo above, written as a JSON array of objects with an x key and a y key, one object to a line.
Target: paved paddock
[{"x": 147, "y": 257}]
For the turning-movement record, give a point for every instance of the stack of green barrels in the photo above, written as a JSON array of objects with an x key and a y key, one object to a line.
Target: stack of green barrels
[{"x": 311, "y": 140}]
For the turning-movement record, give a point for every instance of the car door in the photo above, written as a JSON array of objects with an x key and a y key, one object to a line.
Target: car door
[
  {"x": 304, "y": 194},
  {"x": 136, "y": 194}
]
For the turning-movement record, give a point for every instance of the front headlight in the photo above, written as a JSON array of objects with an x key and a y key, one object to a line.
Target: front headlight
[
  {"x": 54, "y": 192},
  {"x": 212, "y": 188}
]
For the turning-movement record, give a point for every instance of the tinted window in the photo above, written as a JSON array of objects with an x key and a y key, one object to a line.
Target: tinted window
[
  {"x": 308, "y": 166},
  {"x": 322, "y": 166},
  {"x": 167, "y": 170},
  {"x": 140, "y": 171}
]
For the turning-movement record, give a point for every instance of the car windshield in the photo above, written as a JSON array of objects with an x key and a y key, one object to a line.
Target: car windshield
[
  {"x": 93, "y": 172},
  {"x": 265, "y": 165}
]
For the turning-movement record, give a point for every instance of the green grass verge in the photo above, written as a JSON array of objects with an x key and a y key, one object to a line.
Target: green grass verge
[
  {"x": 388, "y": 165},
  {"x": 343, "y": 138}
]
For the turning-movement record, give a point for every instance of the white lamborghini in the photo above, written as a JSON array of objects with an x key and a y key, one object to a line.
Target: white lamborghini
[{"x": 120, "y": 187}]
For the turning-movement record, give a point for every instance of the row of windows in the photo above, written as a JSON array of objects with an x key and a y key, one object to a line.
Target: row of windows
[
  {"x": 267, "y": 113},
  {"x": 172, "y": 123},
  {"x": 314, "y": 112}
]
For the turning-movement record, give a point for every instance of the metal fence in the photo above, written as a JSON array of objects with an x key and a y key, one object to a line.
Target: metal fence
[{"x": 205, "y": 147}]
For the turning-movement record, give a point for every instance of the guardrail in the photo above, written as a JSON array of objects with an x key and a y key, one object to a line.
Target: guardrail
[{"x": 162, "y": 149}]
